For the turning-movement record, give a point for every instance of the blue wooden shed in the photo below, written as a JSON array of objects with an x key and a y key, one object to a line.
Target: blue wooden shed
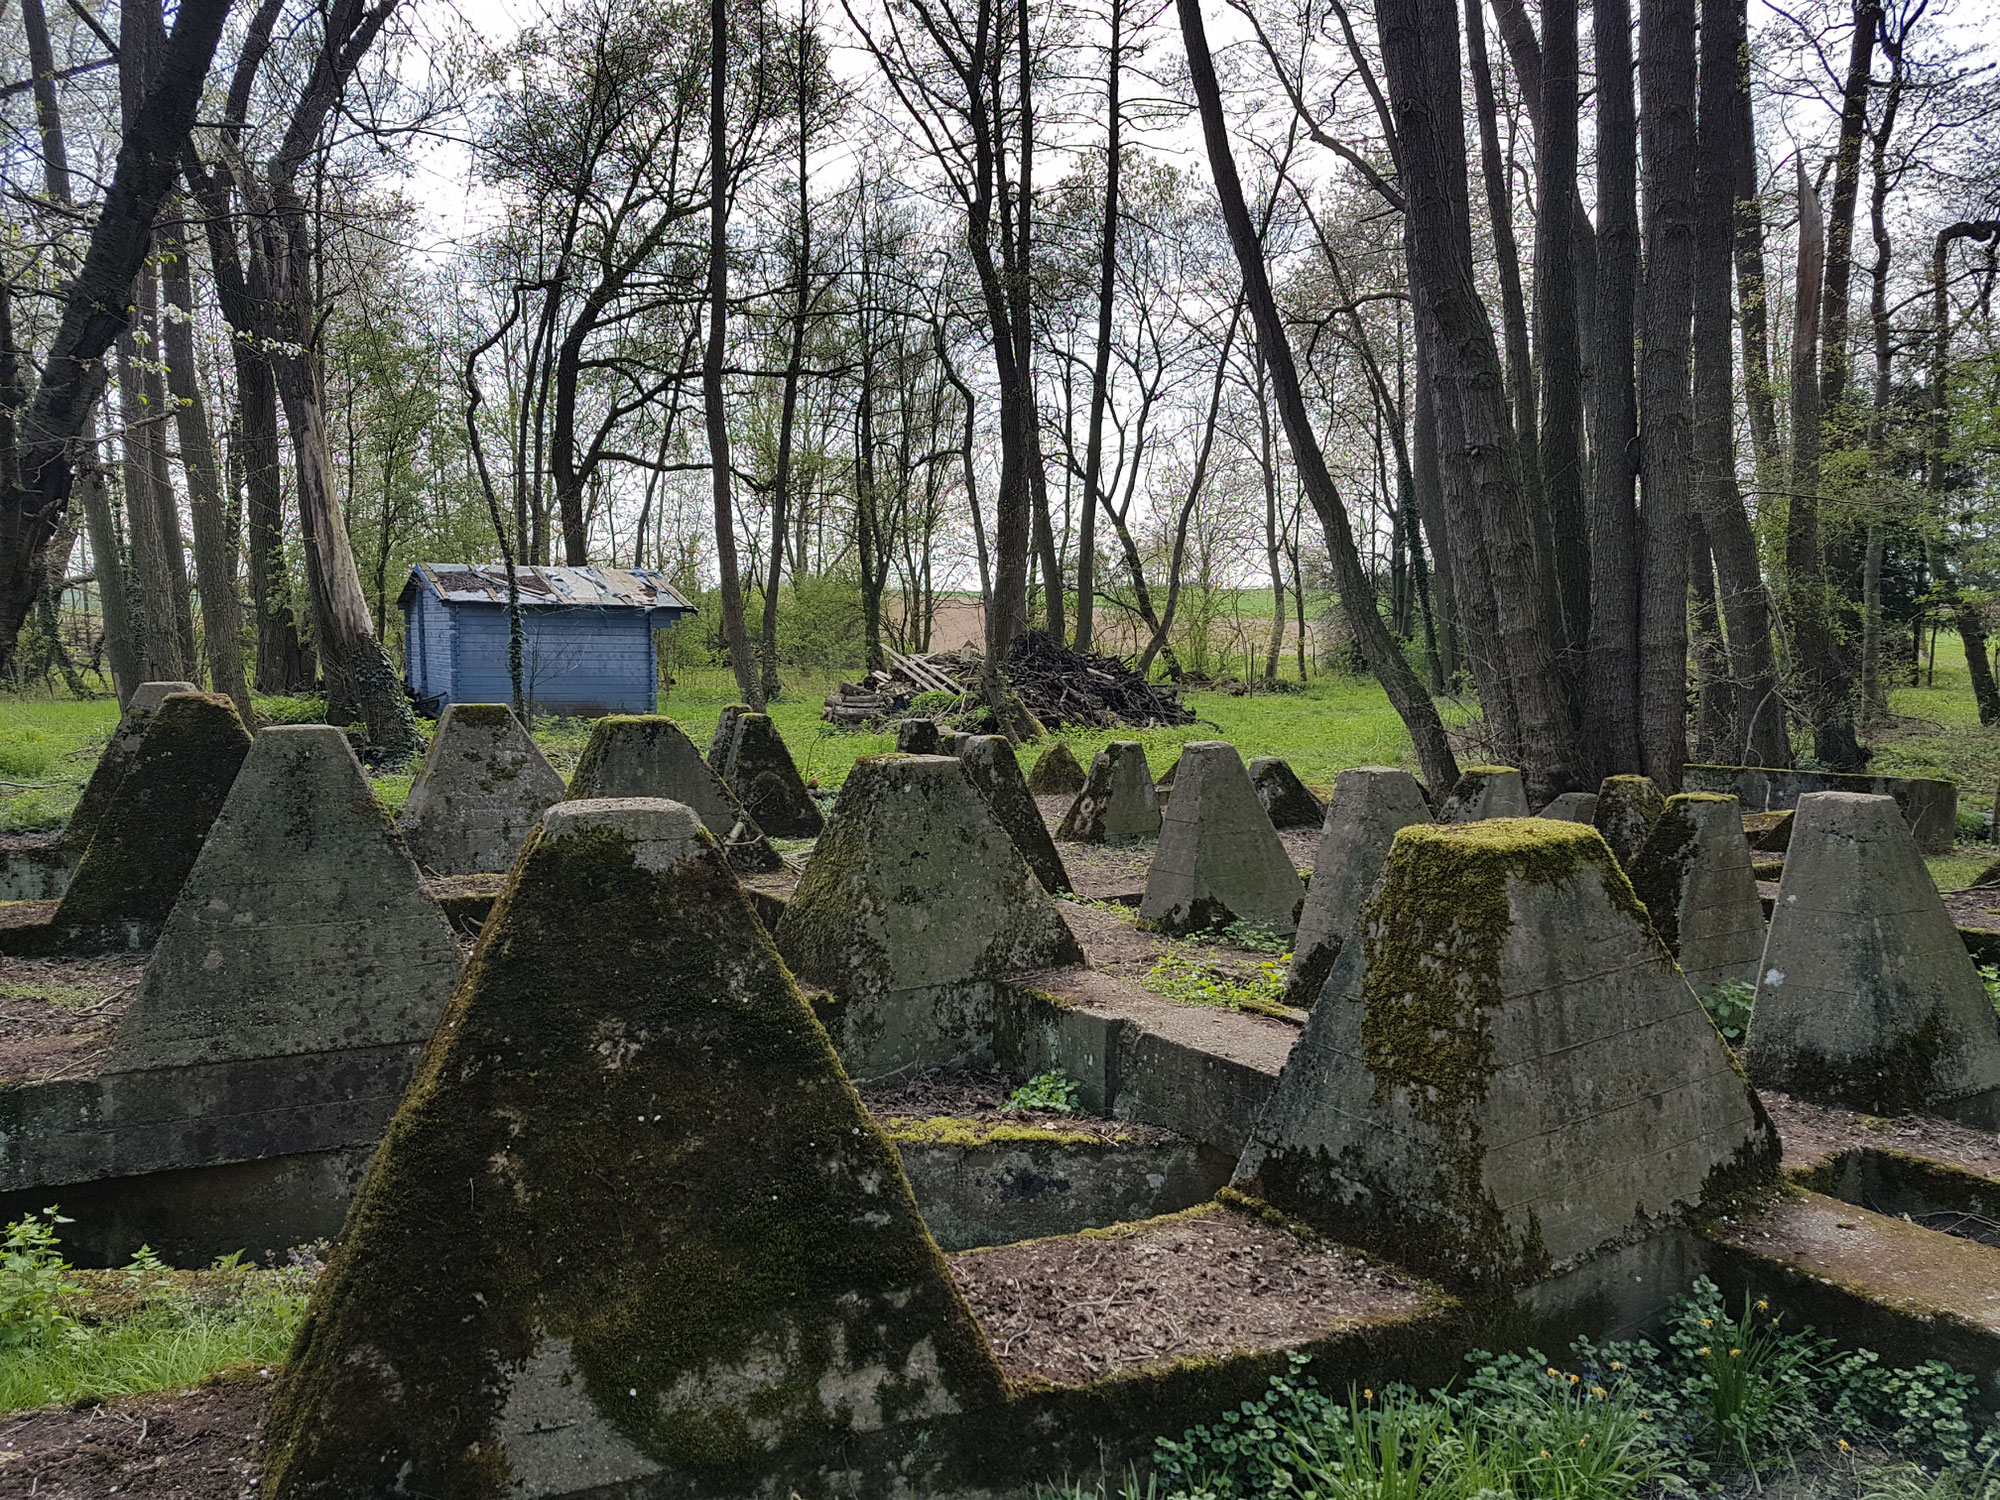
[{"x": 589, "y": 647}]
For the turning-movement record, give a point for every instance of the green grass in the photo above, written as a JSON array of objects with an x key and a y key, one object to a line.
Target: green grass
[{"x": 47, "y": 750}]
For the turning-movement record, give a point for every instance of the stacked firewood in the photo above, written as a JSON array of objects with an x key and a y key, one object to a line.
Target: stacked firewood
[{"x": 1060, "y": 686}]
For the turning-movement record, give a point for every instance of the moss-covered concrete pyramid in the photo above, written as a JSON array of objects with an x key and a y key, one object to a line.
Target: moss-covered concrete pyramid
[
  {"x": 303, "y": 927},
  {"x": 996, "y": 775},
  {"x": 484, "y": 785},
  {"x": 153, "y": 828},
  {"x": 1118, "y": 802},
  {"x": 1485, "y": 792},
  {"x": 1219, "y": 860},
  {"x": 1866, "y": 996},
  {"x": 1507, "y": 1074},
  {"x": 1288, "y": 801},
  {"x": 1370, "y": 805},
  {"x": 918, "y": 737},
  {"x": 755, "y": 765},
  {"x": 914, "y": 904},
  {"x": 1627, "y": 809},
  {"x": 1693, "y": 874},
  {"x": 1571, "y": 807},
  {"x": 631, "y": 1222},
  {"x": 724, "y": 736},
  {"x": 1057, "y": 773},
  {"x": 116, "y": 761},
  {"x": 649, "y": 755}
]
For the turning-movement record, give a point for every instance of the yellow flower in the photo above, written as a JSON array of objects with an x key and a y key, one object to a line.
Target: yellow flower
[
  {"x": 1582, "y": 1440},
  {"x": 1703, "y": 1350},
  {"x": 1843, "y": 1446},
  {"x": 1763, "y": 1306},
  {"x": 1545, "y": 1453},
  {"x": 1617, "y": 1365},
  {"x": 1708, "y": 1322},
  {"x": 1367, "y": 1395},
  {"x": 1733, "y": 1353},
  {"x": 1554, "y": 1373},
  {"x": 1597, "y": 1390},
  {"x": 1574, "y": 1379}
]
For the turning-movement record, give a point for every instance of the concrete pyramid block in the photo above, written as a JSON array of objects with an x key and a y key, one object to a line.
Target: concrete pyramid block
[
  {"x": 484, "y": 785},
  {"x": 303, "y": 926},
  {"x": 917, "y": 737},
  {"x": 913, "y": 905},
  {"x": 1507, "y": 1074},
  {"x": 994, "y": 773},
  {"x": 1572, "y": 807},
  {"x": 1058, "y": 773},
  {"x": 755, "y": 764},
  {"x": 1693, "y": 875},
  {"x": 1219, "y": 860},
  {"x": 631, "y": 1226},
  {"x": 1485, "y": 792},
  {"x": 648, "y": 755},
  {"x": 1287, "y": 800},
  {"x": 724, "y": 738},
  {"x": 1370, "y": 805},
  {"x": 154, "y": 825},
  {"x": 1866, "y": 996},
  {"x": 116, "y": 761},
  {"x": 1627, "y": 809},
  {"x": 1117, "y": 802}
]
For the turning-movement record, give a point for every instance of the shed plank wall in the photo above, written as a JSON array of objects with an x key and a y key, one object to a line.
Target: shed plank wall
[{"x": 579, "y": 660}]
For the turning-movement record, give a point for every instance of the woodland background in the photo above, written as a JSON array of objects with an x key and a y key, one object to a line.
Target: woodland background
[{"x": 1615, "y": 385}]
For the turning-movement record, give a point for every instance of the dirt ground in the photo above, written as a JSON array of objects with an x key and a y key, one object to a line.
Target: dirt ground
[
  {"x": 199, "y": 1444},
  {"x": 1073, "y": 1309},
  {"x": 57, "y": 1014},
  {"x": 1812, "y": 1133}
]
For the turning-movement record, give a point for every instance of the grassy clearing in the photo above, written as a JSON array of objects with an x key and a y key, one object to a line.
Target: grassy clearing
[
  {"x": 68, "y": 1335},
  {"x": 1728, "y": 1402}
]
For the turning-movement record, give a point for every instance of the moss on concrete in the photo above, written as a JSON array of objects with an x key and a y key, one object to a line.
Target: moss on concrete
[
  {"x": 639, "y": 1150},
  {"x": 154, "y": 826},
  {"x": 1627, "y": 809}
]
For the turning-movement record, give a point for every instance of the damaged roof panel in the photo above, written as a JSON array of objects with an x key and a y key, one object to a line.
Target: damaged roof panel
[{"x": 592, "y": 587}]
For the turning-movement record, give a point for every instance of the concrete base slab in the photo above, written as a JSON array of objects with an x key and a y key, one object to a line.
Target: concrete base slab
[{"x": 37, "y": 871}]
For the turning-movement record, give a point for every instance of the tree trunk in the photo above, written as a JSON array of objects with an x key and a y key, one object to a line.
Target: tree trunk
[
  {"x": 1823, "y": 684},
  {"x": 214, "y": 553},
  {"x": 120, "y": 642},
  {"x": 1757, "y": 736},
  {"x": 1560, "y": 451},
  {"x": 153, "y": 433},
  {"x": 1100, "y": 368},
  {"x": 1612, "y": 699},
  {"x": 1835, "y": 360},
  {"x": 1385, "y": 658},
  {"x": 1667, "y": 134},
  {"x": 159, "y": 643},
  {"x": 1476, "y": 439},
  {"x": 94, "y": 311},
  {"x": 1752, "y": 308},
  {"x": 734, "y": 628},
  {"x": 1715, "y": 710}
]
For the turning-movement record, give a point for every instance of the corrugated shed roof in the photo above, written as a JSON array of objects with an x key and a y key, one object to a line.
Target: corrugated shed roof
[{"x": 590, "y": 588}]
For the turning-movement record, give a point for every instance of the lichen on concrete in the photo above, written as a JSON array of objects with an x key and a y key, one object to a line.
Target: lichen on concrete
[
  {"x": 994, "y": 773},
  {"x": 1485, "y": 792},
  {"x": 913, "y": 904},
  {"x": 631, "y": 1223},
  {"x": 649, "y": 755},
  {"x": 154, "y": 825},
  {"x": 1288, "y": 801},
  {"x": 1627, "y": 809},
  {"x": 1118, "y": 802},
  {"x": 1694, "y": 876},
  {"x": 1866, "y": 996},
  {"x": 1057, "y": 772},
  {"x": 1506, "y": 1075},
  {"x": 302, "y": 928},
  {"x": 116, "y": 760},
  {"x": 1219, "y": 860},
  {"x": 754, "y": 764},
  {"x": 483, "y": 787},
  {"x": 1370, "y": 804}
]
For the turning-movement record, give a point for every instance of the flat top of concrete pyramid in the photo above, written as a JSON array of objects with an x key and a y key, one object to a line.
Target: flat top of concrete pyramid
[
  {"x": 1487, "y": 771},
  {"x": 1844, "y": 804},
  {"x": 148, "y": 696},
  {"x": 478, "y": 715},
  {"x": 659, "y": 830},
  {"x": 1685, "y": 798},
  {"x": 1208, "y": 747}
]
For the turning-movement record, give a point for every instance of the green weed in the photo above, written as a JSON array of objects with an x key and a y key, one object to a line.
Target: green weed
[
  {"x": 1195, "y": 978},
  {"x": 71, "y": 1335},
  {"x": 1729, "y": 1005},
  {"x": 1055, "y": 1091}
]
